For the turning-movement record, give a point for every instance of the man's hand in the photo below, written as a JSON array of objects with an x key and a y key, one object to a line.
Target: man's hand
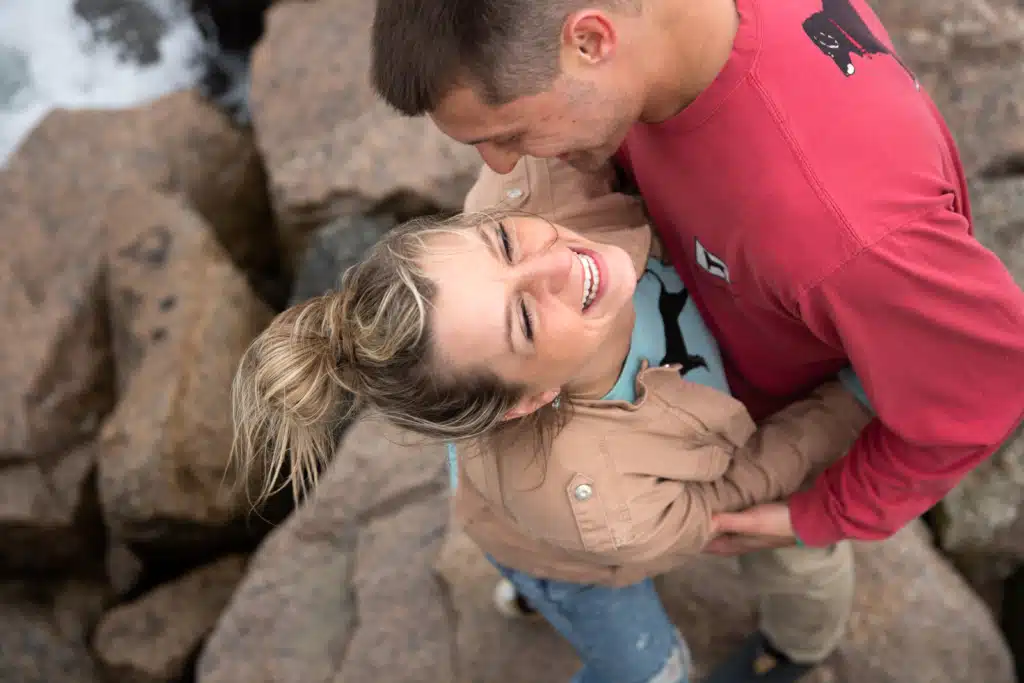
[{"x": 756, "y": 528}]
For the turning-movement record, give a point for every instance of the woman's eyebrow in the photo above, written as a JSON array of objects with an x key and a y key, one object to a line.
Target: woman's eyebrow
[{"x": 487, "y": 236}]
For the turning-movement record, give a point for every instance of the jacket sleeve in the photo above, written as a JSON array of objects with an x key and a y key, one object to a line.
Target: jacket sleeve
[
  {"x": 671, "y": 517},
  {"x": 933, "y": 324},
  {"x": 787, "y": 448}
]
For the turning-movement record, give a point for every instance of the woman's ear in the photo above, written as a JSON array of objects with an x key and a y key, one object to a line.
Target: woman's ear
[{"x": 531, "y": 404}]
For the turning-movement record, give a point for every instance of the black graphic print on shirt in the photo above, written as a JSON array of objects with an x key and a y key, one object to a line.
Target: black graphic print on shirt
[
  {"x": 671, "y": 305},
  {"x": 840, "y": 32}
]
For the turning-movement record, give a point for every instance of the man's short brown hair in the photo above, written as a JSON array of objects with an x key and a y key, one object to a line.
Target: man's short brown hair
[{"x": 504, "y": 49}]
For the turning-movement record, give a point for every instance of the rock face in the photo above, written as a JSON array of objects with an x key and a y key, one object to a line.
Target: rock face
[
  {"x": 178, "y": 145},
  {"x": 331, "y": 147},
  {"x": 58, "y": 387},
  {"x": 135, "y": 241},
  {"x": 347, "y": 589},
  {"x": 343, "y": 591},
  {"x": 153, "y": 639},
  {"x": 914, "y": 621},
  {"x": 163, "y": 452},
  {"x": 332, "y": 249},
  {"x": 967, "y": 55},
  {"x": 49, "y": 513},
  {"x": 44, "y": 638}
]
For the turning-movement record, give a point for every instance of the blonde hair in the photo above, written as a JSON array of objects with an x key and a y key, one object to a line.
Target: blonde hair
[{"x": 368, "y": 344}]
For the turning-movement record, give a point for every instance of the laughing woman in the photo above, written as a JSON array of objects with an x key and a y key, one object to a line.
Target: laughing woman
[{"x": 591, "y": 432}]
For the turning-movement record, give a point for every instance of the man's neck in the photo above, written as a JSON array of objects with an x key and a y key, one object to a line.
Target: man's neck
[{"x": 693, "y": 42}]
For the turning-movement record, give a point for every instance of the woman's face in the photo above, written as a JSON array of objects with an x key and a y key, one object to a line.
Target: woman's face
[{"x": 537, "y": 304}]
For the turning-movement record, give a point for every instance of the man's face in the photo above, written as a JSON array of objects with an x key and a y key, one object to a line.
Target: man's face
[{"x": 583, "y": 122}]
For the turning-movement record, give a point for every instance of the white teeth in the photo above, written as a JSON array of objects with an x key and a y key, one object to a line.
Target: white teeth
[{"x": 591, "y": 279}]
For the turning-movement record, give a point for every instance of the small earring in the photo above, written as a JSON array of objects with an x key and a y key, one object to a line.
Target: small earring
[{"x": 557, "y": 402}]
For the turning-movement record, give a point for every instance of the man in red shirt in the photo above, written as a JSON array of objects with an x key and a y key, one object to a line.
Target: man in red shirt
[{"x": 812, "y": 200}]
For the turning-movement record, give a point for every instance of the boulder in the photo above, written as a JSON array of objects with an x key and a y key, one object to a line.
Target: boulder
[
  {"x": 49, "y": 514},
  {"x": 331, "y": 146},
  {"x": 997, "y": 205},
  {"x": 181, "y": 315},
  {"x": 153, "y": 639},
  {"x": 332, "y": 249},
  {"x": 967, "y": 56},
  {"x": 56, "y": 369},
  {"x": 217, "y": 168},
  {"x": 984, "y": 514},
  {"x": 178, "y": 144},
  {"x": 914, "y": 620},
  {"x": 44, "y": 638},
  {"x": 344, "y": 591}
]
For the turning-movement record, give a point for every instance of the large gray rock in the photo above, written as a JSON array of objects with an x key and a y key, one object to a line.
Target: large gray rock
[
  {"x": 44, "y": 634},
  {"x": 179, "y": 145},
  {"x": 56, "y": 372},
  {"x": 181, "y": 315},
  {"x": 332, "y": 250},
  {"x": 343, "y": 592},
  {"x": 49, "y": 514},
  {"x": 331, "y": 146},
  {"x": 968, "y": 57},
  {"x": 57, "y": 379},
  {"x": 914, "y": 620},
  {"x": 154, "y": 638}
]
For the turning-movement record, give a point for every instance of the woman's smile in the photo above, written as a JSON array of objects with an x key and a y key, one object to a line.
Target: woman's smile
[{"x": 595, "y": 277}]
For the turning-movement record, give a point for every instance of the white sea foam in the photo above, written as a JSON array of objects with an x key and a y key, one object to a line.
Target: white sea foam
[{"x": 52, "y": 52}]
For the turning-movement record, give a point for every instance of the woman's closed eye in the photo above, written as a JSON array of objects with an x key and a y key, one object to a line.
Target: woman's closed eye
[
  {"x": 527, "y": 320},
  {"x": 506, "y": 241}
]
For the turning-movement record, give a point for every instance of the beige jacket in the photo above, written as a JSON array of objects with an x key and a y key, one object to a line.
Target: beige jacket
[{"x": 627, "y": 491}]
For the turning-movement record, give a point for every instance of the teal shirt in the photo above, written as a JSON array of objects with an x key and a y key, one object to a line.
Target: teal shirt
[{"x": 669, "y": 329}]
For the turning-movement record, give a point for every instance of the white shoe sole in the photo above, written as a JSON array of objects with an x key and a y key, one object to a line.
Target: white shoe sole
[{"x": 505, "y": 601}]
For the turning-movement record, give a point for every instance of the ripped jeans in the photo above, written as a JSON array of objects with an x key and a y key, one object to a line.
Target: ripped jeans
[{"x": 622, "y": 635}]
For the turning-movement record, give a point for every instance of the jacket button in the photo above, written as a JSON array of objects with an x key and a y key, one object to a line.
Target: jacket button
[
  {"x": 514, "y": 193},
  {"x": 583, "y": 492}
]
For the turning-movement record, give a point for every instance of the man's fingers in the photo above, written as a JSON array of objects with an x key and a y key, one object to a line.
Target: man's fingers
[
  {"x": 737, "y": 545},
  {"x": 740, "y": 523}
]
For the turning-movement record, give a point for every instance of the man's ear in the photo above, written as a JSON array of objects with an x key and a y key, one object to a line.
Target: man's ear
[
  {"x": 531, "y": 404},
  {"x": 590, "y": 36}
]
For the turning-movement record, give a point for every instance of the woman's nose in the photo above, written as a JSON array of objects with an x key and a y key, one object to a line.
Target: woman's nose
[{"x": 549, "y": 271}]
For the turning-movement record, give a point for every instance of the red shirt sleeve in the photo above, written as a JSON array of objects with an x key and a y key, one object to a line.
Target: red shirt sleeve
[{"x": 933, "y": 325}]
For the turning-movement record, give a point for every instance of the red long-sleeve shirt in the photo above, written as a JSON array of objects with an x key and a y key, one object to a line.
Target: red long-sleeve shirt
[{"x": 814, "y": 203}]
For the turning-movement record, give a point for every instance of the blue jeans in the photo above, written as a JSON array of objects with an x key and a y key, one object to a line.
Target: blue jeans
[{"x": 623, "y": 635}]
